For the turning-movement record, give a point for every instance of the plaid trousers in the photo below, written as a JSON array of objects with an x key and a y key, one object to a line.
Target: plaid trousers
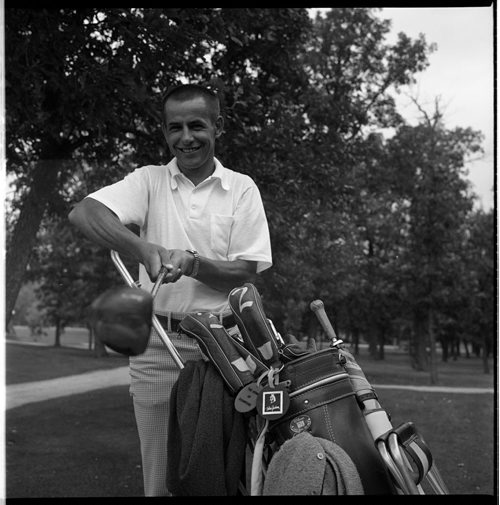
[{"x": 152, "y": 376}]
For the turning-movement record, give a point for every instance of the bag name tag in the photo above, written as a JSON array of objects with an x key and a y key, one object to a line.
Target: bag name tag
[
  {"x": 246, "y": 399},
  {"x": 273, "y": 402}
]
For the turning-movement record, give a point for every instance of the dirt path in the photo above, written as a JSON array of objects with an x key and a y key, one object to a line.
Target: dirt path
[{"x": 31, "y": 392}]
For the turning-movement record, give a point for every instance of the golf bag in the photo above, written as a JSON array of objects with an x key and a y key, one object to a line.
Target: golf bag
[{"x": 288, "y": 392}]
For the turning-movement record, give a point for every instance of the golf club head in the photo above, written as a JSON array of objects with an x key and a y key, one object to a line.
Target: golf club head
[{"x": 121, "y": 318}]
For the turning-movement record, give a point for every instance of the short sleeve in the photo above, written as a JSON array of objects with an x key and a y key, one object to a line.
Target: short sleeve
[
  {"x": 127, "y": 198},
  {"x": 250, "y": 238}
]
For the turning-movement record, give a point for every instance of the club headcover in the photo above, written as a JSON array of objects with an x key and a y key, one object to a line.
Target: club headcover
[
  {"x": 121, "y": 318},
  {"x": 256, "y": 331},
  {"x": 235, "y": 364},
  {"x": 294, "y": 349}
]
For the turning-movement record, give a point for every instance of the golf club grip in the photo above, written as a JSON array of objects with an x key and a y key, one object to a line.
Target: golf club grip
[
  {"x": 159, "y": 280},
  {"x": 318, "y": 308}
]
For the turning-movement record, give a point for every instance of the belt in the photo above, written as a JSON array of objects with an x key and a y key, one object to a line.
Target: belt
[{"x": 228, "y": 321}]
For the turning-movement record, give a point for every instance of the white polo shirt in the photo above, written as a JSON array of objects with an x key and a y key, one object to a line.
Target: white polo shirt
[{"x": 222, "y": 218}]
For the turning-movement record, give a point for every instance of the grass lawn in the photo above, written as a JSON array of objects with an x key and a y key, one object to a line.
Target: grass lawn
[
  {"x": 78, "y": 446},
  {"x": 396, "y": 369},
  {"x": 26, "y": 363},
  {"x": 87, "y": 446}
]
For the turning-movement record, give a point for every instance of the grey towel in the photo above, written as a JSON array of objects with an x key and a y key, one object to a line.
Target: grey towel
[
  {"x": 206, "y": 435},
  {"x": 308, "y": 465}
]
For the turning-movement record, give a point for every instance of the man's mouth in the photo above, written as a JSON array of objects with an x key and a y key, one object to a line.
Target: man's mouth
[{"x": 188, "y": 150}]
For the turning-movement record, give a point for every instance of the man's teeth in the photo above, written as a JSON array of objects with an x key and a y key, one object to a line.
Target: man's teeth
[{"x": 188, "y": 149}]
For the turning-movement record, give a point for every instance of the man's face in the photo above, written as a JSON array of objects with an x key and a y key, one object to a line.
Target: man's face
[{"x": 190, "y": 132}]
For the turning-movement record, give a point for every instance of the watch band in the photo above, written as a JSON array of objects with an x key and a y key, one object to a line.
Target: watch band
[{"x": 196, "y": 264}]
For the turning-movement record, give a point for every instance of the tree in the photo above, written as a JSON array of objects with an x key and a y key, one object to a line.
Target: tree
[
  {"x": 304, "y": 103},
  {"x": 84, "y": 85},
  {"x": 309, "y": 151},
  {"x": 430, "y": 162},
  {"x": 70, "y": 273},
  {"x": 28, "y": 311},
  {"x": 478, "y": 318},
  {"x": 75, "y": 106}
]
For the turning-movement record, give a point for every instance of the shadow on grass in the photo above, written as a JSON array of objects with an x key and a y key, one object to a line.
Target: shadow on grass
[{"x": 80, "y": 446}]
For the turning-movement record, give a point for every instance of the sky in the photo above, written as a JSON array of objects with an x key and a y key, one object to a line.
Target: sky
[{"x": 460, "y": 74}]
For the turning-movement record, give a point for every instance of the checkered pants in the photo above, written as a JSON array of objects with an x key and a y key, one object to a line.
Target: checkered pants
[{"x": 153, "y": 375}]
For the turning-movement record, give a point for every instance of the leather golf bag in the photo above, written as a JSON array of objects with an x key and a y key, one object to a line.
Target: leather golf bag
[
  {"x": 323, "y": 402},
  {"x": 321, "y": 397}
]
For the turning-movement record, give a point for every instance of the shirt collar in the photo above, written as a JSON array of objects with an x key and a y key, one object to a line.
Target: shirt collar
[{"x": 220, "y": 173}]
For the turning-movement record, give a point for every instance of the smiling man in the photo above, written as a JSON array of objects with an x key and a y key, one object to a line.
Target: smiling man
[
  {"x": 191, "y": 125},
  {"x": 205, "y": 222}
]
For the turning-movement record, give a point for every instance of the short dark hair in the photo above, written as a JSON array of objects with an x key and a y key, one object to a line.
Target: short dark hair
[{"x": 189, "y": 91}]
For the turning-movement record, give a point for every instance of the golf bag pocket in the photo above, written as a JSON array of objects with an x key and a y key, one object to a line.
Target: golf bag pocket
[{"x": 323, "y": 403}]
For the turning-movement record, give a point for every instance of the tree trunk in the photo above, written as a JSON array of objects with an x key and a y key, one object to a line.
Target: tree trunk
[
  {"x": 91, "y": 337},
  {"x": 381, "y": 350},
  {"x": 486, "y": 366},
  {"x": 466, "y": 347},
  {"x": 476, "y": 349},
  {"x": 455, "y": 348},
  {"x": 57, "y": 342},
  {"x": 10, "y": 330},
  {"x": 444, "y": 348},
  {"x": 372, "y": 347},
  {"x": 432, "y": 345},
  {"x": 312, "y": 330},
  {"x": 355, "y": 338},
  {"x": 419, "y": 361},
  {"x": 23, "y": 238},
  {"x": 100, "y": 350}
]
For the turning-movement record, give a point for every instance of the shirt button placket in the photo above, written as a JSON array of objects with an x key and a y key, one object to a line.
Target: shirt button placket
[{"x": 193, "y": 204}]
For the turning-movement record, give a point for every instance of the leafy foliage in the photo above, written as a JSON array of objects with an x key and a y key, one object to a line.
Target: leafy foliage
[{"x": 374, "y": 227}]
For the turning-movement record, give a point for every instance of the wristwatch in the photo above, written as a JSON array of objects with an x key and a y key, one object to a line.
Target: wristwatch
[{"x": 196, "y": 264}]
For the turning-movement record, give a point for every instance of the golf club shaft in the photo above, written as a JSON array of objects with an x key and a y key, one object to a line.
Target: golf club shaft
[{"x": 156, "y": 323}]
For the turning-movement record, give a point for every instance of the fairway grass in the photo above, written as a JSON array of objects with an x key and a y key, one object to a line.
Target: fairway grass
[{"x": 86, "y": 445}]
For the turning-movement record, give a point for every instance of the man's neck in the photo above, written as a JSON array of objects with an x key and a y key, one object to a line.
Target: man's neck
[{"x": 199, "y": 174}]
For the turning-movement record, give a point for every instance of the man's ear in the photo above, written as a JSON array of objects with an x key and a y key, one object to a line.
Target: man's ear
[{"x": 219, "y": 126}]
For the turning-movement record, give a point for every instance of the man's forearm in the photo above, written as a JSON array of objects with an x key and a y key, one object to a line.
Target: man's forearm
[
  {"x": 225, "y": 275},
  {"x": 103, "y": 227}
]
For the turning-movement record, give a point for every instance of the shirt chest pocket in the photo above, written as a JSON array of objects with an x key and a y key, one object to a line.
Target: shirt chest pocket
[{"x": 220, "y": 233}]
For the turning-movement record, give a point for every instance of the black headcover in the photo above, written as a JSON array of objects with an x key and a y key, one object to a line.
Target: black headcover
[{"x": 258, "y": 336}]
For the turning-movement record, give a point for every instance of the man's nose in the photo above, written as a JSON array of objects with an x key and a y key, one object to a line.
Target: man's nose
[{"x": 186, "y": 134}]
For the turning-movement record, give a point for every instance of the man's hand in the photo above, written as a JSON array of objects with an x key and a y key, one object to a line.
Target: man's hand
[
  {"x": 220, "y": 275},
  {"x": 177, "y": 262},
  {"x": 180, "y": 263}
]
